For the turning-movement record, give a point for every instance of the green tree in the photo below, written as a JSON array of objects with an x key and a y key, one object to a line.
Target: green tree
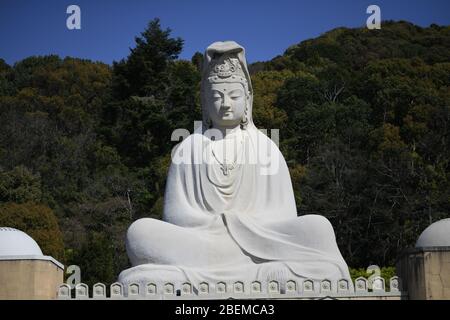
[
  {"x": 145, "y": 72},
  {"x": 266, "y": 85},
  {"x": 20, "y": 185},
  {"x": 95, "y": 260}
]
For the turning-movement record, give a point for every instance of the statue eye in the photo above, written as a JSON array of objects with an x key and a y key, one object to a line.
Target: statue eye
[{"x": 236, "y": 94}]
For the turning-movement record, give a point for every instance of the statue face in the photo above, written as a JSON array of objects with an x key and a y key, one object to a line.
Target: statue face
[{"x": 226, "y": 104}]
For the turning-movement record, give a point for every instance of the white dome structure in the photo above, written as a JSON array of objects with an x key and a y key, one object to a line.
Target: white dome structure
[
  {"x": 436, "y": 235},
  {"x": 14, "y": 242}
]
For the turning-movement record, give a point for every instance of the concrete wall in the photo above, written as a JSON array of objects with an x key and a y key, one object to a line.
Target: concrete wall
[
  {"x": 425, "y": 273},
  {"x": 29, "y": 279}
]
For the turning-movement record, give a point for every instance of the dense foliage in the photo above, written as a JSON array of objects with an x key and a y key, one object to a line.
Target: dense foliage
[{"x": 363, "y": 118}]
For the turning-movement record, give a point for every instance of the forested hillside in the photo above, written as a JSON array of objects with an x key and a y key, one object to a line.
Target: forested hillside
[{"x": 364, "y": 126}]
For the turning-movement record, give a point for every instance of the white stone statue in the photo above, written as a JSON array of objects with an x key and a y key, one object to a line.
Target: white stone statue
[{"x": 229, "y": 208}]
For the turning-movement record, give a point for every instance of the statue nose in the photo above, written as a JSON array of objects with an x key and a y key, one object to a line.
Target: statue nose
[{"x": 226, "y": 102}]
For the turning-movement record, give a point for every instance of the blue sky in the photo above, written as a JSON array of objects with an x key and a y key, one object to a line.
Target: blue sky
[{"x": 264, "y": 28}]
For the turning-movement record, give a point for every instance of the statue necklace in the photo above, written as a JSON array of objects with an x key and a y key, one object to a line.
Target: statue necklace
[{"x": 225, "y": 166}]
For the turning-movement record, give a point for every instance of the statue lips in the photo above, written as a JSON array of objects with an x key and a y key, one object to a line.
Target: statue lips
[{"x": 226, "y": 112}]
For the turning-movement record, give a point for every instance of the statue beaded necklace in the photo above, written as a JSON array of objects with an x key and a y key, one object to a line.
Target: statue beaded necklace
[{"x": 225, "y": 166}]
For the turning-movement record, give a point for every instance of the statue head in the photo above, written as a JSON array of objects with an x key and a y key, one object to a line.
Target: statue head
[{"x": 226, "y": 87}]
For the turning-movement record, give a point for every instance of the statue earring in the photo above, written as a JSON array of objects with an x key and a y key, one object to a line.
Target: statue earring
[{"x": 244, "y": 121}]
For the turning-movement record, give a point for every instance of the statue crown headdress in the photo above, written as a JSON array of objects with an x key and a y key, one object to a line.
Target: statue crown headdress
[{"x": 226, "y": 67}]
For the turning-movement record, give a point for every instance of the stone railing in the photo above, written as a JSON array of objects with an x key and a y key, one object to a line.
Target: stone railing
[{"x": 305, "y": 289}]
